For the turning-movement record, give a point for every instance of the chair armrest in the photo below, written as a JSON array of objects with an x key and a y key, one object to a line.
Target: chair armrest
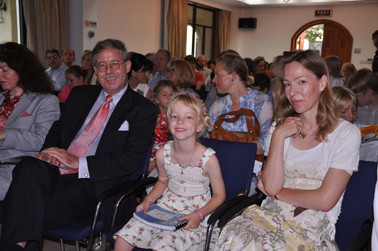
[
  {"x": 222, "y": 209},
  {"x": 229, "y": 214}
]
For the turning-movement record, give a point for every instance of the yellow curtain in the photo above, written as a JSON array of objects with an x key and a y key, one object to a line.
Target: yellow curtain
[
  {"x": 47, "y": 25},
  {"x": 177, "y": 22},
  {"x": 225, "y": 20}
]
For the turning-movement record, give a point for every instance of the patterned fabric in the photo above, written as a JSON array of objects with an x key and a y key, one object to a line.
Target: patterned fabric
[
  {"x": 188, "y": 189},
  {"x": 7, "y": 107},
  {"x": 367, "y": 117},
  {"x": 254, "y": 100},
  {"x": 161, "y": 133},
  {"x": 273, "y": 225}
]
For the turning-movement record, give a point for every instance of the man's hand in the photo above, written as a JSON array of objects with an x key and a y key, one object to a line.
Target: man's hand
[{"x": 57, "y": 155}]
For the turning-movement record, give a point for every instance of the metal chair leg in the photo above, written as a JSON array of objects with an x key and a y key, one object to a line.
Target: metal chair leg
[
  {"x": 61, "y": 245},
  {"x": 77, "y": 246}
]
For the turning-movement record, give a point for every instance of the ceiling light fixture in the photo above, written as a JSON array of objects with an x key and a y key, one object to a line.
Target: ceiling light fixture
[{"x": 286, "y": 1}]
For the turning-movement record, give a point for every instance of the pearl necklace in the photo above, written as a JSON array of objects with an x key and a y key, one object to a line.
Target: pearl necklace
[{"x": 303, "y": 135}]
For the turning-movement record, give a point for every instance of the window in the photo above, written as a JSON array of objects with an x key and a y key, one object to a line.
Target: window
[{"x": 200, "y": 31}]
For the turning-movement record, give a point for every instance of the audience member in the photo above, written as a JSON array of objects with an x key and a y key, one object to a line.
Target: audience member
[
  {"x": 347, "y": 70},
  {"x": 162, "y": 58},
  {"x": 230, "y": 78},
  {"x": 57, "y": 69},
  {"x": 162, "y": 93},
  {"x": 199, "y": 78},
  {"x": 182, "y": 76},
  {"x": 141, "y": 68},
  {"x": 334, "y": 65},
  {"x": 261, "y": 82},
  {"x": 364, "y": 83},
  {"x": 375, "y": 59},
  {"x": 202, "y": 67},
  {"x": 186, "y": 169},
  {"x": 346, "y": 103},
  {"x": 27, "y": 106},
  {"x": 250, "y": 65},
  {"x": 75, "y": 77},
  {"x": 68, "y": 56},
  {"x": 311, "y": 157},
  {"x": 211, "y": 64},
  {"x": 86, "y": 64},
  {"x": 43, "y": 196},
  {"x": 151, "y": 56},
  {"x": 259, "y": 65}
]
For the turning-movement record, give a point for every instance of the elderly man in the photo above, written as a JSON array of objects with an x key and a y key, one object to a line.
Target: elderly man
[
  {"x": 162, "y": 58},
  {"x": 68, "y": 56},
  {"x": 102, "y": 136},
  {"x": 57, "y": 69}
]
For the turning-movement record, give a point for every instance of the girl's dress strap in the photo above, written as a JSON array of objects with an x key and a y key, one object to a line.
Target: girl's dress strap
[
  {"x": 167, "y": 152},
  {"x": 206, "y": 156}
]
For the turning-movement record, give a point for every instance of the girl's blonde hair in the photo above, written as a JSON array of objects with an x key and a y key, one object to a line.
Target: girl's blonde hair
[
  {"x": 327, "y": 117},
  {"x": 193, "y": 103},
  {"x": 343, "y": 96}
]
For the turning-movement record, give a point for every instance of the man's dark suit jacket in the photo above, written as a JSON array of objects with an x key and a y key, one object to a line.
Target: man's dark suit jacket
[{"x": 119, "y": 153}]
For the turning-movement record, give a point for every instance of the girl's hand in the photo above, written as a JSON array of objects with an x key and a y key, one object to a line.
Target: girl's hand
[
  {"x": 143, "y": 206},
  {"x": 194, "y": 221},
  {"x": 260, "y": 186}
]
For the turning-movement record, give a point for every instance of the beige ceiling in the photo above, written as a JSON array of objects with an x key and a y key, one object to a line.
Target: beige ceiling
[{"x": 280, "y": 3}]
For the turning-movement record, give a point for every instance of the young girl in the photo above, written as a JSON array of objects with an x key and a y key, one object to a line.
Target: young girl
[
  {"x": 346, "y": 102},
  {"x": 163, "y": 91},
  {"x": 185, "y": 170}
]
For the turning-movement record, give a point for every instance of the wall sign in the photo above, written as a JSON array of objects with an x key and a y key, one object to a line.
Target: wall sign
[{"x": 322, "y": 13}]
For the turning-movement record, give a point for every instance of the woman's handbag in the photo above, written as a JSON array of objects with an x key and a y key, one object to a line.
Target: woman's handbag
[{"x": 253, "y": 128}]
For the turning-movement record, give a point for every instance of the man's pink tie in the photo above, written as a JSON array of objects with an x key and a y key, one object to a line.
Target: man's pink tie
[{"x": 80, "y": 145}]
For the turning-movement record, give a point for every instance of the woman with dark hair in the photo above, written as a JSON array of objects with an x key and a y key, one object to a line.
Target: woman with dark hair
[
  {"x": 140, "y": 70},
  {"x": 312, "y": 156},
  {"x": 27, "y": 106},
  {"x": 259, "y": 65},
  {"x": 231, "y": 73},
  {"x": 75, "y": 76}
]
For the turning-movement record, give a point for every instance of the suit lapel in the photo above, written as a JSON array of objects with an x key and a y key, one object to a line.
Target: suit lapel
[{"x": 20, "y": 107}]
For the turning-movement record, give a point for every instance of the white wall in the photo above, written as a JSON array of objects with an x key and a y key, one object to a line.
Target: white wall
[
  {"x": 136, "y": 23},
  {"x": 276, "y": 26}
]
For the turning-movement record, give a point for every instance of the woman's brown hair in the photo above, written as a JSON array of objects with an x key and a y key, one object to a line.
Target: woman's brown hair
[{"x": 327, "y": 117}]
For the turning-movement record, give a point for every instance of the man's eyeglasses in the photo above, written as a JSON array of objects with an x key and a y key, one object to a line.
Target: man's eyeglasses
[
  {"x": 102, "y": 67},
  {"x": 50, "y": 57}
]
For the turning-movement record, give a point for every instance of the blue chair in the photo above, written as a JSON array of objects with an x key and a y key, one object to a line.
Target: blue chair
[
  {"x": 85, "y": 230},
  {"x": 237, "y": 161},
  {"x": 357, "y": 204}
]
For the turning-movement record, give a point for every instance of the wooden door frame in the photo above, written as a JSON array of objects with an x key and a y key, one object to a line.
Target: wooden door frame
[{"x": 315, "y": 22}]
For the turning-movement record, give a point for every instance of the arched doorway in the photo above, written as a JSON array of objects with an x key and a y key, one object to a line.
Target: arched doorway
[{"x": 337, "y": 40}]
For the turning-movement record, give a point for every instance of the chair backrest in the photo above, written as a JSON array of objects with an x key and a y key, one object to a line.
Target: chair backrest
[
  {"x": 236, "y": 160},
  {"x": 143, "y": 168},
  {"x": 357, "y": 204}
]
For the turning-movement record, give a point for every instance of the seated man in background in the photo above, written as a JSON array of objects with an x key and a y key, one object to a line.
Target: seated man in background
[
  {"x": 102, "y": 137},
  {"x": 56, "y": 70},
  {"x": 162, "y": 58},
  {"x": 68, "y": 56}
]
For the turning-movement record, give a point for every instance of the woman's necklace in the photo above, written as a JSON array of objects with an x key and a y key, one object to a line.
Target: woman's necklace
[{"x": 303, "y": 135}]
